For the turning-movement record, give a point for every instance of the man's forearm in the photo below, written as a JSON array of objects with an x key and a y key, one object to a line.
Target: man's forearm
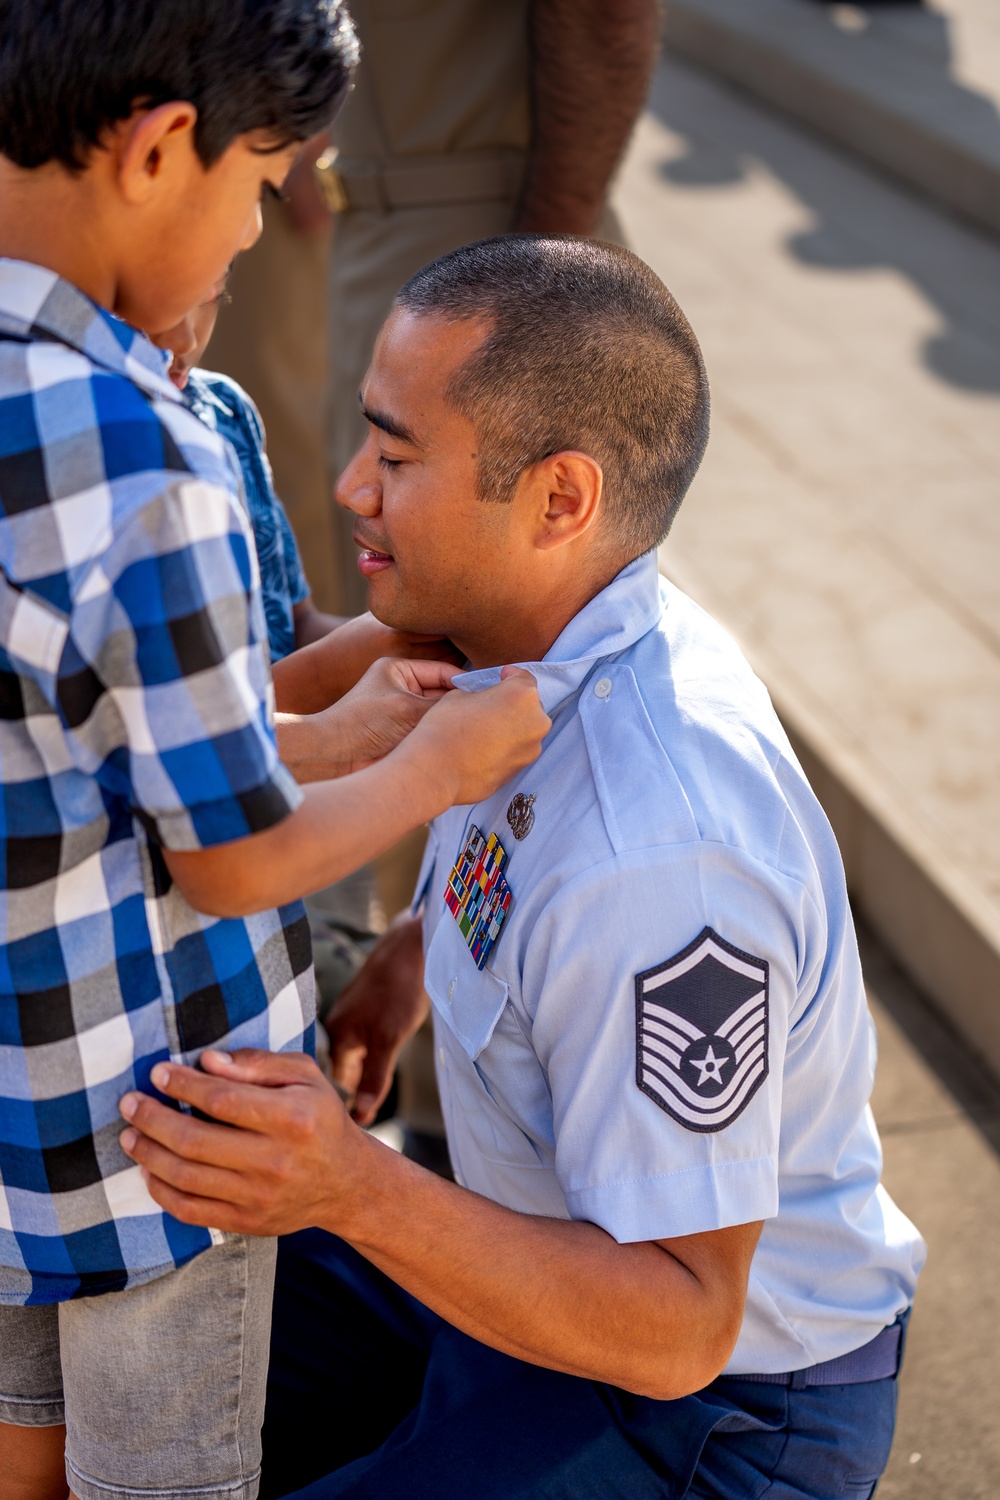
[
  {"x": 553, "y": 1292},
  {"x": 660, "y": 1319},
  {"x": 591, "y": 65}
]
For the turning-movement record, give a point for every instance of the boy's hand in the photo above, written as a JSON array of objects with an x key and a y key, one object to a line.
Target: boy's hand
[
  {"x": 311, "y": 679},
  {"x": 483, "y": 739},
  {"x": 369, "y": 721},
  {"x": 377, "y": 1012}
]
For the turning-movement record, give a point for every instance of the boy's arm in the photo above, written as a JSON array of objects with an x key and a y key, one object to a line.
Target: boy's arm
[
  {"x": 312, "y": 624},
  {"x": 319, "y": 674},
  {"x": 368, "y": 722},
  {"x": 466, "y": 746}
]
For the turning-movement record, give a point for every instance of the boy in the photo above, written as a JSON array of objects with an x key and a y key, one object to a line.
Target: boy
[{"x": 142, "y": 784}]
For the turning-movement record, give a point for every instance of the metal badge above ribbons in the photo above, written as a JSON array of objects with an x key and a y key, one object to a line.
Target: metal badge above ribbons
[
  {"x": 477, "y": 894},
  {"x": 520, "y": 815}
]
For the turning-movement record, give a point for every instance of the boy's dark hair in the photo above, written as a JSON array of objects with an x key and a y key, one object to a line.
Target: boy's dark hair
[
  {"x": 70, "y": 69},
  {"x": 586, "y": 350}
]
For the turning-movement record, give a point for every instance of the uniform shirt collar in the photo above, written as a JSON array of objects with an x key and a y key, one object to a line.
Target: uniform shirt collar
[
  {"x": 37, "y": 303},
  {"x": 615, "y": 619}
]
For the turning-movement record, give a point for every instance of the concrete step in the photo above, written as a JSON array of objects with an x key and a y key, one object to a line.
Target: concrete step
[
  {"x": 845, "y": 523},
  {"x": 913, "y": 89},
  {"x": 939, "y": 1118}
]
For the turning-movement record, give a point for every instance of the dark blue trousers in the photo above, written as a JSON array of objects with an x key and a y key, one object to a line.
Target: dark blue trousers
[{"x": 371, "y": 1396}]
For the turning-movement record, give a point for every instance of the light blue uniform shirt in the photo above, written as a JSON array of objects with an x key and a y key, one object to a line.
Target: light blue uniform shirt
[{"x": 671, "y": 1034}]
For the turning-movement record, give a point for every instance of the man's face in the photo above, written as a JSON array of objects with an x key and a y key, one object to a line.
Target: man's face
[{"x": 437, "y": 558}]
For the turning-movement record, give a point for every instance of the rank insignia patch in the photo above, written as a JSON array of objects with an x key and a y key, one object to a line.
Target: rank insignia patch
[
  {"x": 477, "y": 895},
  {"x": 701, "y": 1032}
]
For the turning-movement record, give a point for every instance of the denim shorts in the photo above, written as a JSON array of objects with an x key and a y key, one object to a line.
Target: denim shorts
[{"x": 161, "y": 1387}]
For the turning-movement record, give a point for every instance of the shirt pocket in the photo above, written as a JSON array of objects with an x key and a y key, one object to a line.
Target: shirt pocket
[{"x": 469, "y": 1000}]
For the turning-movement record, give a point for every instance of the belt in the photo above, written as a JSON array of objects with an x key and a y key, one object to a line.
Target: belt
[
  {"x": 877, "y": 1360},
  {"x": 420, "y": 181}
]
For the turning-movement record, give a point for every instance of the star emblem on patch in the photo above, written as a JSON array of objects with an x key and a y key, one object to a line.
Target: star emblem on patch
[{"x": 702, "y": 1032}]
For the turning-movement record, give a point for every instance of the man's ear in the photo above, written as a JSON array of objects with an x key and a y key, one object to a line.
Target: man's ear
[
  {"x": 148, "y": 143},
  {"x": 566, "y": 492}
]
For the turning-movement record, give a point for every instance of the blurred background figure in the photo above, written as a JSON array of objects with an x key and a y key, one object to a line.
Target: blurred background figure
[{"x": 469, "y": 118}]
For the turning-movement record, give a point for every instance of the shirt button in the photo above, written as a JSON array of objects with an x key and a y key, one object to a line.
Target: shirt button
[
  {"x": 451, "y": 990},
  {"x": 441, "y": 1056},
  {"x": 602, "y": 687}
]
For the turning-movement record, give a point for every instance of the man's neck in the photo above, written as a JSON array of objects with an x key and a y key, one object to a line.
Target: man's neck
[{"x": 527, "y": 632}]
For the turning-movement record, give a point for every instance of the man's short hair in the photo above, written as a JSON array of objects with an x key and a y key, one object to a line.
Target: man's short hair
[
  {"x": 71, "y": 69},
  {"x": 586, "y": 349}
]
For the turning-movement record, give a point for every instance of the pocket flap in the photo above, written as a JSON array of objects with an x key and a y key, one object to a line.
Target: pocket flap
[{"x": 470, "y": 1000}]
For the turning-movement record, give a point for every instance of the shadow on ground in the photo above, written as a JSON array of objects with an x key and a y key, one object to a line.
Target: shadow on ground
[{"x": 719, "y": 153}]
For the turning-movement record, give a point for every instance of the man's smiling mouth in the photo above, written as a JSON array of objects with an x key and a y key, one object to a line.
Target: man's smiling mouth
[{"x": 372, "y": 559}]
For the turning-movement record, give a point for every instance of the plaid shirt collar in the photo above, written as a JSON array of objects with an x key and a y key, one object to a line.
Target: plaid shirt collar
[{"x": 37, "y": 303}]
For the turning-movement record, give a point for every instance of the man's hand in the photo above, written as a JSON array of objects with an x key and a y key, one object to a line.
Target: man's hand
[
  {"x": 275, "y": 1173},
  {"x": 312, "y": 678},
  {"x": 363, "y": 726},
  {"x": 378, "y": 1011},
  {"x": 481, "y": 740}
]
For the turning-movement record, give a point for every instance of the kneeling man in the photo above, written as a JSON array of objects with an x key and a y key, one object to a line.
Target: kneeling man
[{"x": 666, "y": 1267}]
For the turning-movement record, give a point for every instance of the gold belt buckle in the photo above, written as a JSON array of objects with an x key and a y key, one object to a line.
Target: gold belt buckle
[{"x": 331, "y": 183}]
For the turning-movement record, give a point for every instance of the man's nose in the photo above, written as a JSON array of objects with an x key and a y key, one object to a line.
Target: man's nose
[{"x": 359, "y": 488}]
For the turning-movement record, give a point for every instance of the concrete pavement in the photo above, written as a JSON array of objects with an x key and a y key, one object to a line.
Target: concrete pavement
[
  {"x": 939, "y": 1115},
  {"x": 912, "y": 88},
  {"x": 845, "y": 524}
]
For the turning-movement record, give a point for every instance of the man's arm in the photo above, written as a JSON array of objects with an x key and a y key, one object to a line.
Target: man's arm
[
  {"x": 373, "y": 1016},
  {"x": 318, "y": 674},
  {"x": 591, "y": 65},
  {"x": 660, "y": 1319}
]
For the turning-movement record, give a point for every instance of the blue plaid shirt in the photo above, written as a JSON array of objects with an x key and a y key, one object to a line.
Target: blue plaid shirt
[
  {"x": 228, "y": 410},
  {"x": 135, "y": 716}
]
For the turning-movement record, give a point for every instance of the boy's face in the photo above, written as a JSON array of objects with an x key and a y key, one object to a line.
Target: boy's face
[
  {"x": 188, "y": 340},
  {"x": 437, "y": 558},
  {"x": 187, "y": 223}
]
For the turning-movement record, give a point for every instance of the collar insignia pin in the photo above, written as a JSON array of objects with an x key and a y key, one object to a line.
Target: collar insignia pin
[{"x": 520, "y": 815}]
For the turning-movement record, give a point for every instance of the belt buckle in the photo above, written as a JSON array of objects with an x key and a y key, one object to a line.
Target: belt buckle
[{"x": 331, "y": 185}]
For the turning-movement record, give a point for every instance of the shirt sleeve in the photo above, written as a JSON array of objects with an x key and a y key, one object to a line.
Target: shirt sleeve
[
  {"x": 164, "y": 684},
  {"x": 662, "y": 985}
]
